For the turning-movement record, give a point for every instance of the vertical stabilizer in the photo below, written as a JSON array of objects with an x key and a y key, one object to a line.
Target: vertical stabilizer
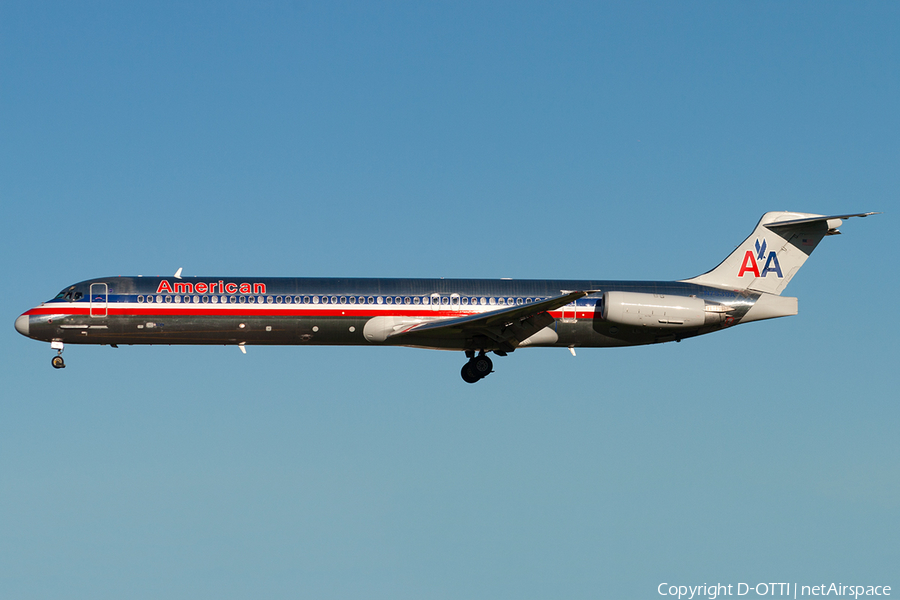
[{"x": 768, "y": 259}]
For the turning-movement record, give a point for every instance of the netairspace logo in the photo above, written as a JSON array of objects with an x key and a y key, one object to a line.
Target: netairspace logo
[{"x": 793, "y": 590}]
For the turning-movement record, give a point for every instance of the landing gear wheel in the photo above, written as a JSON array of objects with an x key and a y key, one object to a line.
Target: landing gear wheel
[
  {"x": 58, "y": 362},
  {"x": 477, "y": 367},
  {"x": 468, "y": 373},
  {"x": 482, "y": 365}
]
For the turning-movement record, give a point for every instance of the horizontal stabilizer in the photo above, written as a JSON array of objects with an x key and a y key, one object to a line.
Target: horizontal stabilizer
[{"x": 836, "y": 221}]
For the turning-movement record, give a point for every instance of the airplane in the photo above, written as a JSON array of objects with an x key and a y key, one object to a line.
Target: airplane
[{"x": 475, "y": 316}]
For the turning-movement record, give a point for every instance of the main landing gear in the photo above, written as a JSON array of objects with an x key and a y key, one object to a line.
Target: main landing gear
[
  {"x": 57, "y": 361},
  {"x": 477, "y": 368}
]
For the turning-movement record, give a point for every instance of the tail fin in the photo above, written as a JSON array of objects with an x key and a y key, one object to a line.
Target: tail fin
[{"x": 774, "y": 252}]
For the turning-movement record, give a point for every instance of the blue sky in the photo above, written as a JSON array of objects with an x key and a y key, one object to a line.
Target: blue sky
[{"x": 618, "y": 140}]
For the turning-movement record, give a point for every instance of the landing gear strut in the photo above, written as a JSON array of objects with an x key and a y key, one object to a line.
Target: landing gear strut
[
  {"x": 57, "y": 361},
  {"x": 477, "y": 368}
]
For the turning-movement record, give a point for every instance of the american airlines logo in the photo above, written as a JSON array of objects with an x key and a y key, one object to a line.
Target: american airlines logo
[
  {"x": 211, "y": 287},
  {"x": 752, "y": 261}
]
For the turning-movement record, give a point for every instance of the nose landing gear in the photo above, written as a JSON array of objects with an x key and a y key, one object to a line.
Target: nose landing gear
[
  {"x": 477, "y": 368},
  {"x": 57, "y": 361}
]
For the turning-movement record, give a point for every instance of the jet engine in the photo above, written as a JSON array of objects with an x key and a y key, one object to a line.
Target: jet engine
[{"x": 661, "y": 311}]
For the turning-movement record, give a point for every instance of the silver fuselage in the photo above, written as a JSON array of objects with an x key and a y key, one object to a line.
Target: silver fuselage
[{"x": 336, "y": 311}]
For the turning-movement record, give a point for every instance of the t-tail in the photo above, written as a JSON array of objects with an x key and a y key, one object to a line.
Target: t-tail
[
  {"x": 774, "y": 252},
  {"x": 767, "y": 260}
]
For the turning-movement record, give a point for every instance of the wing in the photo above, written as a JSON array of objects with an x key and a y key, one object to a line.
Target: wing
[{"x": 506, "y": 328}]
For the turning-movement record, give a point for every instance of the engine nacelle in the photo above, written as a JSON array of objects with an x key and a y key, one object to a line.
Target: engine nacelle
[{"x": 660, "y": 311}]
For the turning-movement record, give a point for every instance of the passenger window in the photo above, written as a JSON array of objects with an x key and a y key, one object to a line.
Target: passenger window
[
  {"x": 140, "y": 299},
  {"x": 389, "y": 300},
  {"x": 159, "y": 299},
  {"x": 177, "y": 299},
  {"x": 370, "y": 300},
  {"x": 343, "y": 299},
  {"x": 214, "y": 299},
  {"x": 417, "y": 300},
  {"x": 379, "y": 300},
  {"x": 241, "y": 299},
  {"x": 445, "y": 300},
  {"x": 205, "y": 299},
  {"x": 426, "y": 300},
  {"x": 407, "y": 300},
  {"x": 278, "y": 299}
]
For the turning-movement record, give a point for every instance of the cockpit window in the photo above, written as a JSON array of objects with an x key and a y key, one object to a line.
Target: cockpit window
[{"x": 66, "y": 294}]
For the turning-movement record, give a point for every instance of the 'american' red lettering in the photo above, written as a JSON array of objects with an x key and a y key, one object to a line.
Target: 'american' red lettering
[{"x": 210, "y": 287}]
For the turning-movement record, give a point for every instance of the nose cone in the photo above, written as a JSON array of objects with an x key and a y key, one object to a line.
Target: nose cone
[{"x": 22, "y": 324}]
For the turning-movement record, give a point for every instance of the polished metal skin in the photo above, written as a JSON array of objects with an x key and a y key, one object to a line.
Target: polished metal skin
[{"x": 338, "y": 310}]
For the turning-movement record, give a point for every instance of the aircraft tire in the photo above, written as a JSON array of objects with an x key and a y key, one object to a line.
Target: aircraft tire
[
  {"x": 58, "y": 362},
  {"x": 482, "y": 365},
  {"x": 468, "y": 373}
]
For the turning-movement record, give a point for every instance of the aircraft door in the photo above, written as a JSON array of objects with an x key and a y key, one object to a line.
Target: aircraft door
[
  {"x": 99, "y": 299},
  {"x": 435, "y": 302},
  {"x": 454, "y": 302}
]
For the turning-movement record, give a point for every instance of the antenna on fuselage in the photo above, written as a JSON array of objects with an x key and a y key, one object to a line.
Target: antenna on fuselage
[{"x": 178, "y": 273}]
